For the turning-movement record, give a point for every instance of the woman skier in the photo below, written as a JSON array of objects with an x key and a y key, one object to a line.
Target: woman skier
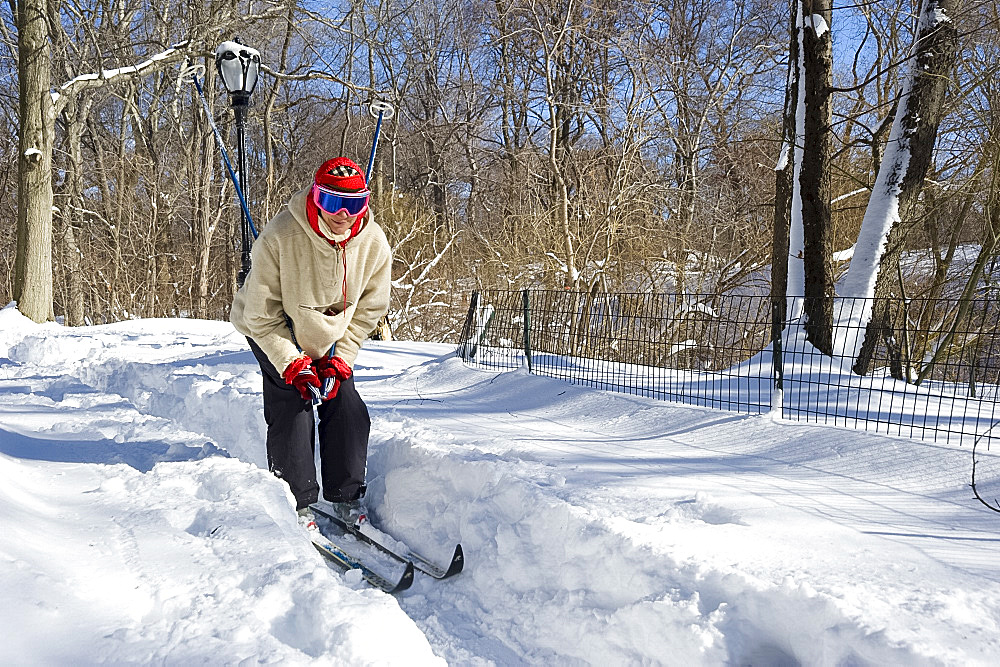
[{"x": 318, "y": 285}]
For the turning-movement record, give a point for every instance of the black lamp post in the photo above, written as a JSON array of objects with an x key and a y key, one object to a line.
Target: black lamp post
[{"x": 237, "y": 65}]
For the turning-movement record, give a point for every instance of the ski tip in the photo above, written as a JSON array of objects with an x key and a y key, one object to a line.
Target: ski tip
[
  {"x": 405, "y": 581},
  {"x": 429, "y": 567},
  {"x": 457, "y": 562}
]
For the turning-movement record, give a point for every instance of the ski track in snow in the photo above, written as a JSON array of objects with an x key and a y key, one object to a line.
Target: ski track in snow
[{"x": 598, "y": 528}]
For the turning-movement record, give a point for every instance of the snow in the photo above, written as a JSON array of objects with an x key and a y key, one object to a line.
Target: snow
[
  {"x": 108, "y": 74},
  {"x": 236, "y": 47},
  {"x": 843, "y": 255},
  {"x": 818, "y": 24},
  {"x": 848, "y": 195},
  {"x": 782, "y": 157},
  {"x": 934, "y": 13},
  {"x": 139, "y": 524}
]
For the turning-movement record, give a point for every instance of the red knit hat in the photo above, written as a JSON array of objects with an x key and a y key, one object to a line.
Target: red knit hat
[{"x": 341, "y": 174}]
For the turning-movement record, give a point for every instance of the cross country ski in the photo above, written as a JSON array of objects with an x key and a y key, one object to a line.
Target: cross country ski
[{"x": 369, "y": 534}]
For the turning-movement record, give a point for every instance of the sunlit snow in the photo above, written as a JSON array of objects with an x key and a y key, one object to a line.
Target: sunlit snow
[{"x": 140, "y": 526}]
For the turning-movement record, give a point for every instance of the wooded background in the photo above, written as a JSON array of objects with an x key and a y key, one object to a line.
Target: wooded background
[{"x": 583, "y": 145}]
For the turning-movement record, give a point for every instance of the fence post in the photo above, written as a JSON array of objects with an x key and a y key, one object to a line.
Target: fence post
[
  {"x": 527, "y": 327},
  {"x": 778, "y": 391},
  {"x": 468, "y": 329}
]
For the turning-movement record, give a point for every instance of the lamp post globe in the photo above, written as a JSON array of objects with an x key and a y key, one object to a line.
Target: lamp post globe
[{"x": 238, "y": 66}]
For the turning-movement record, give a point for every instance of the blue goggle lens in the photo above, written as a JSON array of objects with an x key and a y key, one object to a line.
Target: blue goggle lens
[{"x": 332, "y": 202}]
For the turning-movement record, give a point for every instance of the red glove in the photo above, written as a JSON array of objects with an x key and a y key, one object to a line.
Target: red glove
[
  {"x": 332, "y": 370},
  {"x": 301, "y": 375}
]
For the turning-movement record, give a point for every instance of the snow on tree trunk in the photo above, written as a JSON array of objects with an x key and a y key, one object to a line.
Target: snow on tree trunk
[
  {"x": 900, "y": 177},
  {"x": 796, "y": 279},
  {"x": 783, "y": 191}
]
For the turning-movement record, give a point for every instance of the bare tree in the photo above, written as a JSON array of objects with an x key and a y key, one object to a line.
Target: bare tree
[
  {"x": 815, "y": 171},
  {"x": 33, "y": 264},
  {"x": 556, "y": 143},
  {"x": 890, "y": 213}
]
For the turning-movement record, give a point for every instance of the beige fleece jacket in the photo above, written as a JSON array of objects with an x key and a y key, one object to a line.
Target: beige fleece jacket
[{"x": 296, "y": 273}]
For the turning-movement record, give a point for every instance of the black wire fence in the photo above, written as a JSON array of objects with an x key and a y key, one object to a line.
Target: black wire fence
[{"x": 930, "y": 369}]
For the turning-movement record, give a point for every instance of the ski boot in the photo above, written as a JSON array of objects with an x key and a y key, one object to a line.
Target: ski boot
[
  {"x": 350, "y": 513},
  {"x": 307, "y": 519}
]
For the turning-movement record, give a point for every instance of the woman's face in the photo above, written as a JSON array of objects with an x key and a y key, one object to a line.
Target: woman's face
[{"x": 340, "y": 221}]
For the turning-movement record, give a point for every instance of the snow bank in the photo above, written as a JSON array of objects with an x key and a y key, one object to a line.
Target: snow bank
[
  {"x": 596, "y": 584},
  {"x": 186, "y": 563},
  {"x": 129, "y": 539}
]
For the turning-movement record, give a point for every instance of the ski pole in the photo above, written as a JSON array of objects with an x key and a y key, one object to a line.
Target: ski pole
[
  {"x": 381, "y": 109},
  {"x": 377, "y": 108},
  {"x": 225, "y": 155}
]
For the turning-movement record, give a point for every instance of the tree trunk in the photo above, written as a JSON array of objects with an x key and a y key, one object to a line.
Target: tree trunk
[
  {"x": 891, "y": 210},
  {"x": 795, "y": 272},
  {"x": 33, "y": 289},
  {"x": 268, "y": 201},
  {"x": 436, "y": 179},
  {"x": 76, "y": 112},
  {"x": 203, "y": 224},
  {"x": 687, "y": 186},
  {"x": 814, "y": 177},
  {"x": 783, "y": 184},
  {"x": 558, "y": 148}
]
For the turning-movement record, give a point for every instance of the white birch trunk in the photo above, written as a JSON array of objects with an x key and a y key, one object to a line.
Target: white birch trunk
[
  {"x": 796, "y": 286},
  {"x": 883, "y": 211}
]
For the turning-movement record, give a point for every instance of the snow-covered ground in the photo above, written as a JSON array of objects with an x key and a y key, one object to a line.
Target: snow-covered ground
[{"x": 140, "y": 526}]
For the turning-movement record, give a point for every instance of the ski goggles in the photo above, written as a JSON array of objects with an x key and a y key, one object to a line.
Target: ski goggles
[{"x": 333, "y": 203}]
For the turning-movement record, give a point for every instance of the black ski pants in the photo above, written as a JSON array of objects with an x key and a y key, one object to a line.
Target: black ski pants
[{"x": 344, "y": 427}]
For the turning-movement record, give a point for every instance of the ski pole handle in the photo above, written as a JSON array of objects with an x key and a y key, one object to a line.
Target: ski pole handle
[
  {"x": 318, "y": 395},
  {"x": 328, "y": 382},
  {"x": 328, "y": 385}
]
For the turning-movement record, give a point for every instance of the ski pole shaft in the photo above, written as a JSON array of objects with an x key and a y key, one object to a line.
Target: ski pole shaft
[
  {"x": 384, "y": 110},
  {"x": 225, "y": 156},
  {"x": 371, "y": 156}
]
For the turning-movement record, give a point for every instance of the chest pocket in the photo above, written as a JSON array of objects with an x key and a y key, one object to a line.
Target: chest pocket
[{"x": 328, "y": 310}]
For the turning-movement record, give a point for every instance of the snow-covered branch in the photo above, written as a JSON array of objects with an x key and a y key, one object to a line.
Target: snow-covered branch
[
  {"x": 82, "y": 82},
  {"x": 848, "y": 195}
]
